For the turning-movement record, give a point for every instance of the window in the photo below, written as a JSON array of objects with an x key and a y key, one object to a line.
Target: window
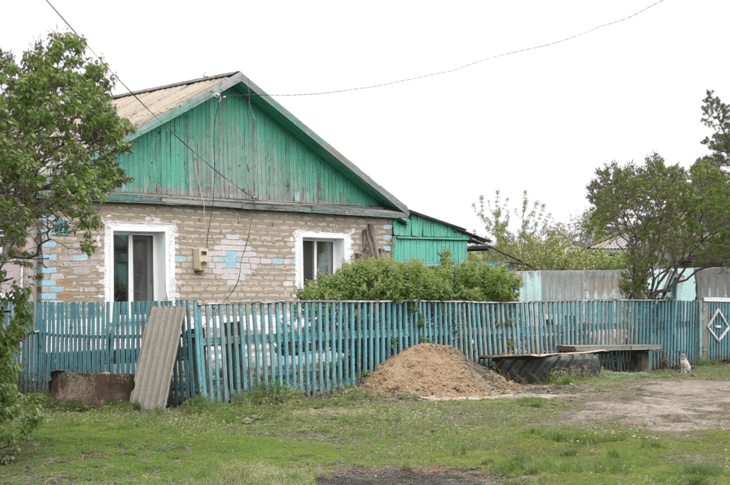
[
  {"x": 139, "y": 261},
  {"x": 318, "y": 253},
  {"x": 317, "y": 258},
  {"x": 133, "y": 267}
]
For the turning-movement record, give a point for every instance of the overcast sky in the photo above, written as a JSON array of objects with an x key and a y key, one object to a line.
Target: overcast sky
[{"x": 541, "y": 120}]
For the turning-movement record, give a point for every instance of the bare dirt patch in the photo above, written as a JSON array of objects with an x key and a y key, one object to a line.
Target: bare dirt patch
[
  {"x": 435, "y": 475},
  {"x": 442, "y": 372},
  {"x": 658, "y": 405}
]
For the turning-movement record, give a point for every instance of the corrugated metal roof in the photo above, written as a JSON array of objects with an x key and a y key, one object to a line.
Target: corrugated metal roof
[
  {"x": 162, "y": 99},
  {"x": 612, "y": 243},
  {"x": 160, "y": 340}
]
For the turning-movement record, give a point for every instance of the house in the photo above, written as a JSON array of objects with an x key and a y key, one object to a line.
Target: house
[
  {"x": 610, "y": 244},
  {"x": 232, "y": 199},
  {"x": 424, "y": 238}
]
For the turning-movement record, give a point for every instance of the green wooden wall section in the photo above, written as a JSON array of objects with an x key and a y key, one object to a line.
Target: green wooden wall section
[
  {"x": 247, "y": 145},
  {"x": 424, "y": 239}
]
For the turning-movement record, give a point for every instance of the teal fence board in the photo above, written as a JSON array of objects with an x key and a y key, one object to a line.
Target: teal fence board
[{"x": 226, "y": 349}]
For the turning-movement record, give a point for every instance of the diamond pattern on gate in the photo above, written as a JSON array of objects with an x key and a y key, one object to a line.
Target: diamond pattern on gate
[{"x": 712, "y": 325}]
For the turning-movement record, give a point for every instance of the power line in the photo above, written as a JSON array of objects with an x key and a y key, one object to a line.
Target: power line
[
  {"x": 449, "y": 71},
  {"x": 216, "y": 171},
  {"x": 413, "y": 78}
]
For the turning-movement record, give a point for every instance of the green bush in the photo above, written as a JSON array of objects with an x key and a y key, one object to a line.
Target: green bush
[
  {"x": 386, "y": 279},
  {"x": 18, "y": 416}
]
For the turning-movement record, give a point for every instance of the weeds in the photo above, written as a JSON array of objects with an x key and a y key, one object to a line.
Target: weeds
[
  {"x": 287, "y": 437},
  {"x": 572, "y": 435},
  {"x": 566, "y": 377},
  {"x": 533, "y": 402},
  {"x": 269, "y": 393}
]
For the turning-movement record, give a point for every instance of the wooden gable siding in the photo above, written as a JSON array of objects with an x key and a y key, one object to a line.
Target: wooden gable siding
[
  {"x": 250, "y": 148},
  {"x": 424, "y": 239}
]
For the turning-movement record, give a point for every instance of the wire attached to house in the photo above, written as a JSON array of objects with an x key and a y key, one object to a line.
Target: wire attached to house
[
  {"x": 215, "y": 170},
  {"x": 449, "y": 71},
  {"x": 153, "y": 114},
  {"x": 253, "y": 202},
  {"x": 212, "y": 203},
  {"x": 432, "y": 74}
]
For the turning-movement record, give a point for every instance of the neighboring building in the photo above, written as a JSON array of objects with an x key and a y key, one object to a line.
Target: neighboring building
[
  {"x": 570, "y": 285},
  {"x": 232, "y": 198},
  {"x": 425, "y": 238},
  {"x": 611, "y": 244}
]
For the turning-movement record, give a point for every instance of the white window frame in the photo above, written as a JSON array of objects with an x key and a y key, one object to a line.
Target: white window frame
[
  {"x": 163, "y": 256},
  {"x": 341, "y": 250}
]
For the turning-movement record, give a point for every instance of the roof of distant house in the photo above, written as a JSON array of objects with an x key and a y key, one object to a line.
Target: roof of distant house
[{"x": 611, "y": 243}]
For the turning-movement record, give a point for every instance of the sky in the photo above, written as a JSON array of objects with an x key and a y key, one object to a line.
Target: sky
[{"x": 541, "y": 120}]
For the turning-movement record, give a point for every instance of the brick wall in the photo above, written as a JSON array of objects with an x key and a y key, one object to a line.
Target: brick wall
[{"x": 266, "y": 270}]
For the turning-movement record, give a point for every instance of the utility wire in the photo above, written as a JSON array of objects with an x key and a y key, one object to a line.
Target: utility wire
[
  {"x": 153, "y": 114},
  {"x": 413, "y": 78},
  {"x": 449, "y": 71},
  {"x": 215, "y": 170},
  {"x": 253, "y": 202}
]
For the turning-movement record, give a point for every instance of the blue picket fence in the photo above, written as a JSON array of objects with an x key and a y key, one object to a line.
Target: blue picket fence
[{"x": 226, "y": 349}]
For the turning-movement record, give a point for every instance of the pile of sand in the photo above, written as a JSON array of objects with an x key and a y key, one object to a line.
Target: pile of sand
[{"x": 436, "y": 371}]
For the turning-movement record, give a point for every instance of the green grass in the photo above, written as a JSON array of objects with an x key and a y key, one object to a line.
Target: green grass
[
  {"x": 702, "y": 369},
  {"x": 276, "y": 435}
]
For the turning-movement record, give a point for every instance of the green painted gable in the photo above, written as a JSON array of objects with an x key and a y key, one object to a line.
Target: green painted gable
[
  {"x": 424, "y": 239},
  {"x": 239, "y": 148}
]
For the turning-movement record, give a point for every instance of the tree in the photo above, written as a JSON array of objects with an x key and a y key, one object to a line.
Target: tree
[
  {"x": 716, "y": 116},
  {"x": 59, "y": 137},
  {"x": 539, "y": 242},
  {"x": 670, "y": 217}
]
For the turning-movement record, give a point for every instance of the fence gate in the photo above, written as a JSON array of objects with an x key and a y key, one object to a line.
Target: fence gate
[{"x": 714, "y": 332}]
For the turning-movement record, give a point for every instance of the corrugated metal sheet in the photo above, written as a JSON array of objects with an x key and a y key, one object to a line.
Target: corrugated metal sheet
[
  {"x": 160, "y": 101},
  {"x": 713, "y": 283},
  {"x": 611, "y": 244},
  {"x": 569, "y": 285},
  {"x": 160, "y": 341}
]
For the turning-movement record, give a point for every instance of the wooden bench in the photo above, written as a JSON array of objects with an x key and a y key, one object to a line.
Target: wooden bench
[{"x": 638, "y": 353}]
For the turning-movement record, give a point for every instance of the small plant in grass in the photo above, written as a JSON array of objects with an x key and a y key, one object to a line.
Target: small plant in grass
[
  {"x": 271, "y": 393},
  {"x": 571, "y": 435},
  {"x": 563, "y": 377},
  {"x": 707, "y": 363},
  {"x": 651, "y": 443},
  {"x": 199, "y": 405},
  {"x": 613, "y": 453},
  {"x": 533, "y": 402},
  {"x": 408, "y": 396},
  {"x": 258, "y": 473},
  {"x": 523, "y": 465},
  {"x": 703, "y": 470},
  {"x": 67, "y": 406}
]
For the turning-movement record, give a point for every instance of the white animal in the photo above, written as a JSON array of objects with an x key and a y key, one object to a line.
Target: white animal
[{"x": 684, "y": 366}]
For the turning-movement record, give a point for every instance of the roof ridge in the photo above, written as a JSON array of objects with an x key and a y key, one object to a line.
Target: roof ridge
[{"x": 173, "y": 85}]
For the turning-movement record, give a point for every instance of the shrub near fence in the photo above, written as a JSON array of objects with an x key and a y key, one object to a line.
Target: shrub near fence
[{"x": 314, "y": 346}]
